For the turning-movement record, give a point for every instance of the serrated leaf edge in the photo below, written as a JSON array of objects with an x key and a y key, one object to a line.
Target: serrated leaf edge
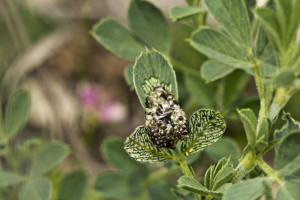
[{"x": 187, "y": 150}]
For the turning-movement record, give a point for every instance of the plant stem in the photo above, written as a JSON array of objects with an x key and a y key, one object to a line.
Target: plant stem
[
  {"x": 261, "y": 91},
  {"x": 185, "y": 168},
  {"x": 180, "y": 158},
  {"x": 186, "y": 171},
  {"x": 246, "y": 164},
  {"x": 269, "y": 170}
]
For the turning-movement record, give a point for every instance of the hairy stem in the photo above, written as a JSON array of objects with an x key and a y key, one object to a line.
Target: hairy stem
[
  {"x": 246, "y": 164},
  {"x": 185, "y": 168},
  {"x": 268, "y": 170},
  {"x": 261, "y": 91},
  {"x": 186, "y": 171},
  {"x": 180, "y": 158}
]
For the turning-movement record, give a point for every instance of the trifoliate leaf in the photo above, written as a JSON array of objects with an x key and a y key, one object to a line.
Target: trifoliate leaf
[
  {"x": 218, "y": 175},
  {"x": 140, "y": 147},
  {"x": 192, "y": 185},
  {"x": 207, "y": 127}
]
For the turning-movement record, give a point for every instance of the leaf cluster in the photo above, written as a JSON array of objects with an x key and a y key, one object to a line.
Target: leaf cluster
[
  {"x": 253, "y": 41},
  {"x": 24, "y": 166}
]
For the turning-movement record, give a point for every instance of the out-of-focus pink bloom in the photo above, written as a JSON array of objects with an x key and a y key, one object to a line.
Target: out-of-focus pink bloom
[
  {"x": 112, "y": 112},
  {"x": 89, "y": 95},
  {"x": 94, "y": 99}
]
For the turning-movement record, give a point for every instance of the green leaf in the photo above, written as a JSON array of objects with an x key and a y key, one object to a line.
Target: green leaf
[
  {"x": 234, "y": 84},
  {"x": 291, "y": 167},
  {"x": 182, "y": 51},
  {"x": 208, "y": 177},
  {"x": 250, "y": 5},
  {"x": 181, "y": 194},
  {"x": 270, "y": 23},
  {"x": 233, "y": 16},
  {"x": 224, "y": 188},
  {"x": 251, "y": 189},
  {"x": 141, "y": 148},
  {"x": 192, "y": 185},
  {"x": 288, "y": 18},
  {"x": 114, "y": 185},
  {"x": 287, "y": 153},
  {"x": 293, "y": 23},
  {"x": 290, "y": 126},
  {"x": 268, "y": 191},
  {"x": 17, "y": 112},
  {"x": 225, "y": 147},
  {"x": 213, "y": 70},
  {"x": 218, "y": 175},
  {"x": 113, "y": 151},
  {"x": 150, "y": 25},
  {"x": 128, "y": 74},
  {"x": 72, "y": 186},
  {"x": 289, "y": 190},
  {"x": 116, "y": 38},
  {"x": 267, "y": 70},
  {"x": 222, "y": 176},
  {"x": 263, "y": 135},
  {"x": 51, "y": 155},
  {"x": 249, "y": 121},
  {"x": 284, "y": 77},
  {"x": 152, "y": 69},
  {"x": 181, "y": 12},
  {"x": 265, "y": 53},
  {"x": 264, "y": 49},
  {"x": 220, "y": 47},
  {"x": 36, "y": 189},
  {"x": 207, "y": 127},
  {"x": 9, "y": 178},
  {"x": 250, "y": 101},
  {"x": 161, "y": 190},
  {"x": 200, "y": 91}
]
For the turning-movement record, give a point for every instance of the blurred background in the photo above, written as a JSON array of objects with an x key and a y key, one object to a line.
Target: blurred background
[{"x": 78, "y": 90}]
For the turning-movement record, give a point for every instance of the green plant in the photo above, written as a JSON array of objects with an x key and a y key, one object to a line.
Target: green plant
[
  {"x": 25, "y": 164},
  {"x": 254, "y": 41}
]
